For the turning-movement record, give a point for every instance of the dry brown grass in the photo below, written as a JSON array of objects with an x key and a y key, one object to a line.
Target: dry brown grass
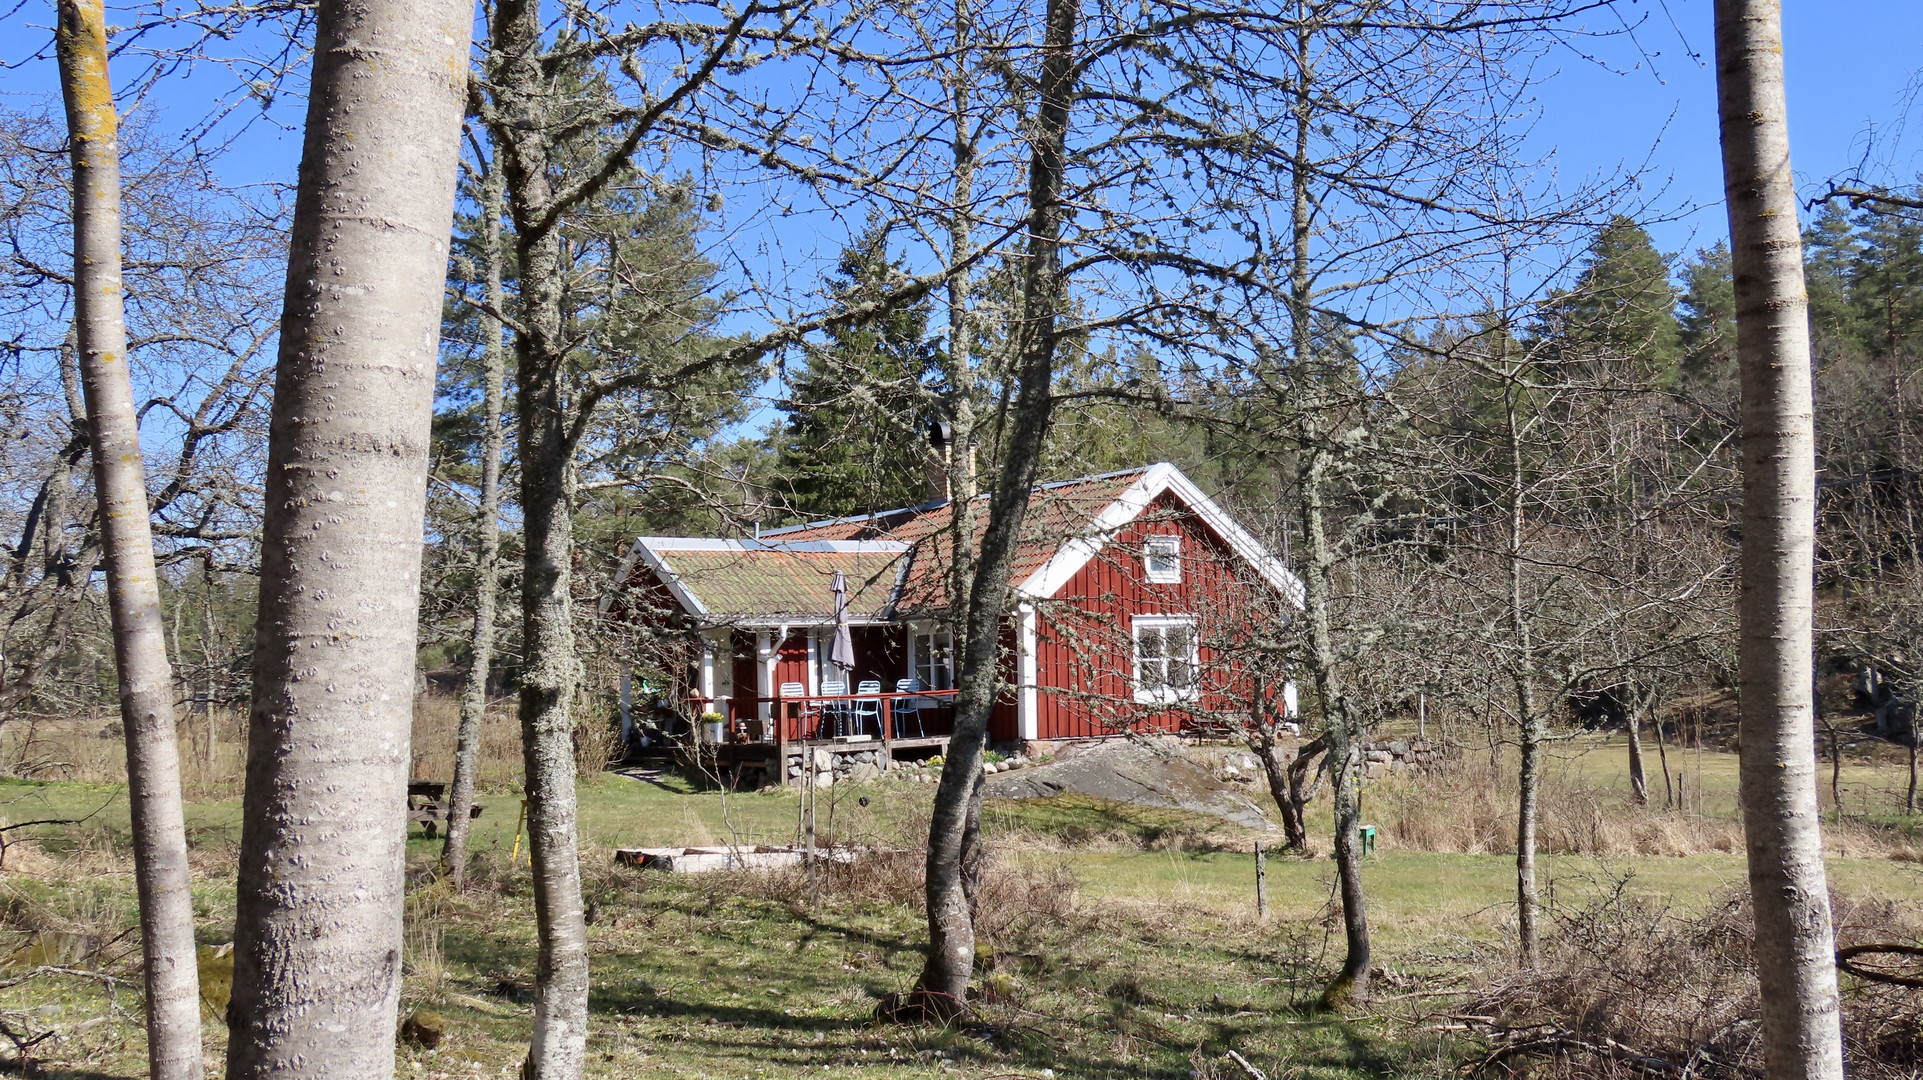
[
  {"x": 1470, "y": 808},
  {"x": 1627, "y": 986},
  {"x": 436, "y": 718},
  {"x": 213, "y": 748}
]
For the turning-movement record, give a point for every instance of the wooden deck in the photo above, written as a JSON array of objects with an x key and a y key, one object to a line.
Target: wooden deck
[{"x": 794, "y": 719}]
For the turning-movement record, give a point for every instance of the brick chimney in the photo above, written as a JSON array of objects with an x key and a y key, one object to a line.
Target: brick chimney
[{"x": 941, "y": 437}]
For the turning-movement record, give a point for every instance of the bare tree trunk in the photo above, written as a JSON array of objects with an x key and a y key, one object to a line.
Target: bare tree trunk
[
  {"x": 1305, "y": 779},
  {"x": 1531, "y": 726},
  {"x": 467, "y": 738},
  {"x": 1351, "y": 983},
  {"x": 1795, "y": 941},
  {"x": 1295, "y": 830},
  {"x": 1638, "y": 776},
  {"x": 207, "y": 658},
  {"x": 1662, "y": 758},
  {"x": 962, "y": 485},
  {"x": 953, "y": 845},
  {"x": 161, "y": 874},
  {"x": 1836, "y": 765},
  {"x": 550, "y": 672},
  {"x": 1909, "y": 801},
  {"x": 317, "y": 951}
]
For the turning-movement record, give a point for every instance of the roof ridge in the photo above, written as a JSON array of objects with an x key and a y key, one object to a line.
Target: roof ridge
[{"x": 921, "y": 508}]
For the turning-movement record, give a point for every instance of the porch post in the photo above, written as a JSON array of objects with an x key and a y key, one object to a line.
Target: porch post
[
  {"x": 706, "y": 689},
  {"x": 766, "y": 650},
  {"x": 1028, "y": 697}
]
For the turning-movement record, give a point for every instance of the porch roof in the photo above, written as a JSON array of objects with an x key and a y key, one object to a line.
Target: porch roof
[{"x": 757, "y": 583}]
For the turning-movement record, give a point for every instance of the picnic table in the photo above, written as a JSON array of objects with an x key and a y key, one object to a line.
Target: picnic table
[{"x": 427, "y": 804}]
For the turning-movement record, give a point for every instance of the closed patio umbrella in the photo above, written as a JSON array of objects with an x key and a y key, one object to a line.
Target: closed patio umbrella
[{"x": 842, "y": 653}]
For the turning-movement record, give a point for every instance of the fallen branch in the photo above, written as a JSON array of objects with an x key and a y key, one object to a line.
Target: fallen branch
[
  {"x": 1254, "y": 1073},
  {"x": 51, "y": 969},
  {"x": 1564, "y": 1041},
  {"x": 1846, "y": 961}
]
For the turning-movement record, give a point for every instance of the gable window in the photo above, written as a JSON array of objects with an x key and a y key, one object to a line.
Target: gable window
[
  {"x": 935, "y": 661},
  {"x": 1165, "y": 658},
  {"x": 1162, "y": 559}
]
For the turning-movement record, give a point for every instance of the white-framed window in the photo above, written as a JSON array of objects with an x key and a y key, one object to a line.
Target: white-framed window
[
  {"x": 1162, "y": 559},
  {"x": 935, "y": 660},
  {"x": 1166, "y": 658}
]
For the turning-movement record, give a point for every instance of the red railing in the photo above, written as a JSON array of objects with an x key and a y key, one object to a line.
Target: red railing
[{"x": 825, "y": 716}]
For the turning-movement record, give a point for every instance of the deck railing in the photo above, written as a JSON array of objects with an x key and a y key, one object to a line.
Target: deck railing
[{"x": 827, "y": 716}]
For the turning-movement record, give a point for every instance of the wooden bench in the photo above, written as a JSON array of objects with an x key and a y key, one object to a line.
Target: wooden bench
[{"x": 427, "y": 805}]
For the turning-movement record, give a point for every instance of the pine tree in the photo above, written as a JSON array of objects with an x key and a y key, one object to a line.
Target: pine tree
[{"x": 1831, "y": 249}]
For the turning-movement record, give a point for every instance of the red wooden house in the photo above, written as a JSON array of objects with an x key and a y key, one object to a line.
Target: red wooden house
[{"x": 1133, "y": 594}]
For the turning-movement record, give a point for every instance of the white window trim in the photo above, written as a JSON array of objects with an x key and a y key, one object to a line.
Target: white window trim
[
  {"x": 1163, "y": 695},
  {"x": 1162, "y": 544},
  {"x": 917, "y": 631}
]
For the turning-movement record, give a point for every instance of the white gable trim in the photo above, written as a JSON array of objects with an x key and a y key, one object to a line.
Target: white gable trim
[
  {"x": 668, "y": 577},
  {"x": 1069, "y": 559}
]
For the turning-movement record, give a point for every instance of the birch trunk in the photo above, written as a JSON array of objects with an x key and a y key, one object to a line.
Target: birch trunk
[
  {"x": 953, "y": 846},
  {"x": 550, "y": 670},
  {"x": 467, "y": 738},
  {"x": 161, "y": 874},
  {"x": 1795, "y": 943},
  {"x": 317, "y": 956}
]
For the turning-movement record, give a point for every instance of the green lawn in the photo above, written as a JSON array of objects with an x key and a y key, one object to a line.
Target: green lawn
[{"x": 1124, "y": 940}]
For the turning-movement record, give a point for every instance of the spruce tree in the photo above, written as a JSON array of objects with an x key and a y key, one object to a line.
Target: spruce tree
[
  {"x": 1707, "y": 321},
  {"x": 1622, "y": 309},
  {"x": 1886, "y": 282},
  {"x": 853, "y": 415}
]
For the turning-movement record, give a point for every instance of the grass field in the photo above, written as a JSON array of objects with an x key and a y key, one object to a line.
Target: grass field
[{"x": 1124, "y": 941}]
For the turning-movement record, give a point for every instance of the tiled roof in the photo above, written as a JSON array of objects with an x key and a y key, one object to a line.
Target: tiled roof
[{"x": 1056, "y": 514}]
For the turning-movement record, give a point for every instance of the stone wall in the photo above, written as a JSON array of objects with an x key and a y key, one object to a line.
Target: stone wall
[{"x": 1387, "y": 756}]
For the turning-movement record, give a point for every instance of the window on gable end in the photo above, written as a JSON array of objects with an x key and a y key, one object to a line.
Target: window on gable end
[{"x": 1162, "y": 559}]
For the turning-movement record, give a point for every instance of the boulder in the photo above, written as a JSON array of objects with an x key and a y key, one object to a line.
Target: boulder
[
  {"x": 824, "y": 779},
  {"x": 824, "y": 761},
  {"x": 861, "y": 772}
]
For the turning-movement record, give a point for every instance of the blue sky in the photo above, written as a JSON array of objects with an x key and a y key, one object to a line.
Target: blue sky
[
  {"x": 1848, "y": 63},
  {"x": 1644, "y": 101}
]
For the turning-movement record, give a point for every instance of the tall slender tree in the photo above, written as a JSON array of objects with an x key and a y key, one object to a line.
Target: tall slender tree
[
  {"x": 1795, "y": 941},
  {"x": 161, "y": 873},
  {"x": 954, "y": 831},
  {"x": 487, "y": 526},
  {"x": 317, "y": 956}
]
